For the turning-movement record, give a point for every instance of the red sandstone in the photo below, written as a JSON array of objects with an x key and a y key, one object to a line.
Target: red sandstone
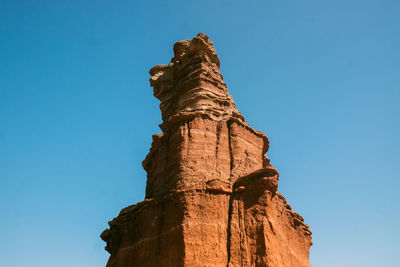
[{"x": 211, "y": 194}]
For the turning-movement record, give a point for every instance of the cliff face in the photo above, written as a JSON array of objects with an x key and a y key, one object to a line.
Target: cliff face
[{"x": 211, "y": 194}]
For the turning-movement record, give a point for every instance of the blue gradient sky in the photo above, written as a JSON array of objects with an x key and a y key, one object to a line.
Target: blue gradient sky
[{"x": 320, "y": 78}]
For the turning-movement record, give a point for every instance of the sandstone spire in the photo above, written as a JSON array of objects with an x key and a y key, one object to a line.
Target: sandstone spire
[
  {"x": 211, "y": 194},
  {"x": 191, "y": 84}
]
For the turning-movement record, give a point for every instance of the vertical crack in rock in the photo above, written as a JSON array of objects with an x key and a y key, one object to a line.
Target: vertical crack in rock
[
  {"x": 210, "y": 186},
  {"x": 219, "y": 127},
  {"x": 230, "y": 148},
  {"x": 189, "y": 137},
  {"x": 228, "y": 230},
  {"x": 188, "y": 128},
  {"x": 217, "y": 143}
]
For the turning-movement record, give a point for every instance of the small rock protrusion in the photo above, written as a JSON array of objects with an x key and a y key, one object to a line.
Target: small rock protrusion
[{"x": 240, "y": 189}]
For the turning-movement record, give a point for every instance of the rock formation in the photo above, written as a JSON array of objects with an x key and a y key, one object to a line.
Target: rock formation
[{"x": 211, "y": 194}]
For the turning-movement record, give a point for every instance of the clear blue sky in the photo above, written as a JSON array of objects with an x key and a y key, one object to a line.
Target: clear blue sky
[{"x": 320, "y": 78}]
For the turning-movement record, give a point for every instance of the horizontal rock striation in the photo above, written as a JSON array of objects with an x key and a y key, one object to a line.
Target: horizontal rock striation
[{"x": 211, "y": 193}]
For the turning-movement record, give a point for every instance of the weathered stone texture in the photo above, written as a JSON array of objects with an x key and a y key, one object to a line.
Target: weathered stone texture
[{"x": 211, "y": 194}]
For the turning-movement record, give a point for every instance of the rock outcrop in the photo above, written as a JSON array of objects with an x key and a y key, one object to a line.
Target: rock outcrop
[{"x": 211, "y": 194}]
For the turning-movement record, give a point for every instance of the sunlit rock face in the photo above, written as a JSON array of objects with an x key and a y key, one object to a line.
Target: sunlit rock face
[{"x": 211, "y": 194}]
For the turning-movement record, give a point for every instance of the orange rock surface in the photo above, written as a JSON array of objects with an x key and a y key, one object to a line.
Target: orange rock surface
[{"x": 211, "y": 194}]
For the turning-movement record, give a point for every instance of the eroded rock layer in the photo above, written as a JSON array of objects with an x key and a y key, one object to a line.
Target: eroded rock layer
[{"x": 211, "y": 194}]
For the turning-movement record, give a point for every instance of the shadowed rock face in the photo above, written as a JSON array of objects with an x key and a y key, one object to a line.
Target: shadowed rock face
[{"x": 211, "y": 194}]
